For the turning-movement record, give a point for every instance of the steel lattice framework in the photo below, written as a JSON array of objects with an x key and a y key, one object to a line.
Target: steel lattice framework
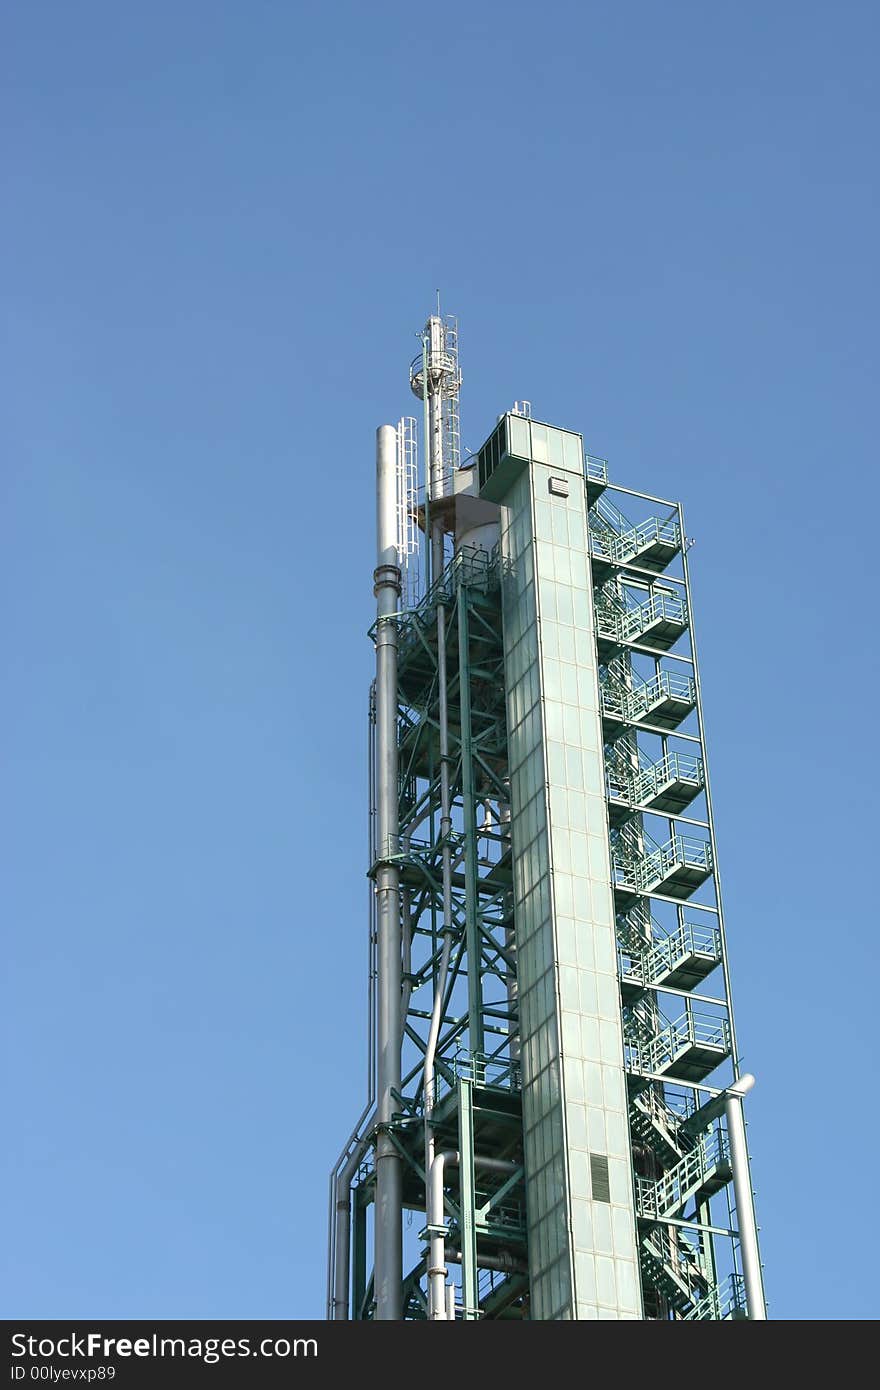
[{"x": 483, "y": 867}]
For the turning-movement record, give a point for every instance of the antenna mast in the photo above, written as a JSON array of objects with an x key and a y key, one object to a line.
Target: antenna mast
[{"x": 435, "y": 377}]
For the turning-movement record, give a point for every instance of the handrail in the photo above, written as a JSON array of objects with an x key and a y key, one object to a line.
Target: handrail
[
  {"x": 683, "y": 851},
  {"x": 629, "y": 705},
  {"x": 658, "y": 606},
  {"x": 630, "y": 542},
  {"x": 471, "y": 564},
  {"x": 483, "y": 1071},
  {"x": 659, "y": 1197},
  {"x": 652, "y": 1106},
  {"x": 678, "y": 1259},
  {"x": 721, "y": 1302},
  {"x": 636, "y": 785},
  {"x": 596, "y": 468},
  {"x": 690, "y": 939},
  {"x": 615, "y": 620},
  {"x": 690, "y": 1029},
  {"x": 674, "y": 767}
]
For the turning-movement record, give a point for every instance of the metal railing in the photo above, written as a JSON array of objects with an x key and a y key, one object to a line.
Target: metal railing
[
  {"x": 602, "y": 543},
  {"x": 674, "y": 767},
  {"x": 610, "y": 517},
  {"x": 691, "y": 1029},
  {"x": 471, "y": 565},
  {"x": 622, "y": 624},
  {"x": 619, "y": 623},
  {"x": 596, "y": 469},
  {"x": 484, "y": 1071},
  {"x": 631, "y": 705},
  {"x": 641, "y": 536},
  {"x": 498, "y": 1072},
  {"x": 639, "y": 785},
  {"x": 659, "y": 1197},
  {"x": 641, "y": 874},
  {"x": 671, "y": 1266},
  {"x": 609, "y": 542},
  {"x": 658, "y": 608},
  {"x": 411, "y": 850},
  {"x": 650, "y": 1110},
  {"x": 724, "y": 1301},
  {"x": 690, "y": 939},
  {"x": 668, "y": 685}
]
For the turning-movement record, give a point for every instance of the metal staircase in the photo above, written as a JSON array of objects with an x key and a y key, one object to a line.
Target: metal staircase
[
  {"x": 725, "y": 1302},
  {"x": 670, "y": 1267},
  {"x": 669, "y": 785},
  {"x": 686, "y": 1049},
  {"x": 657, "y": 623},
  {"x": 615, "y": 540},
  {"x": 682, "y": 959},
  {"x": 677, "y": 1129},
  {"x": 656, "y": 1126},
  {"x": 702, "y": 1172},
  {"x": 653, "y": 544},
  {"x": 675, "y": 868},
  {"x": 665, "y": 701}
]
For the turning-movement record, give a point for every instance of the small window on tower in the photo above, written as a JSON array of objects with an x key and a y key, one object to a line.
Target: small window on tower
[{"x": 558, "y": 486}]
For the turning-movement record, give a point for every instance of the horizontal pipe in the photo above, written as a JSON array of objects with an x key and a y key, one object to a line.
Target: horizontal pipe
[{"x": 503, "y": 1263}]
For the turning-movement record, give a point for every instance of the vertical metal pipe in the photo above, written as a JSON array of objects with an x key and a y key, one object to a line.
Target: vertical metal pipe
[
  {"x": 372, "y": 855},
  {"x": 446, "y": 870},
  {"x": 435, "y": 463},
  {"x": 437, "y": 1271},
  {"x": 356, "y": 1145},
  {"x": 438, "y": 1304},
  {"x": 745, "y": 1202},
  {"x": 434, "y": 467},
  {"x": 342, "y": 1273},
  {"x": 388, "y": 1263},
  {"x": 430, "y": 576}
]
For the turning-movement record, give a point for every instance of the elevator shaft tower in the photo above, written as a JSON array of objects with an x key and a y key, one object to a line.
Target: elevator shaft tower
[{"x": 556, "y": 1093}]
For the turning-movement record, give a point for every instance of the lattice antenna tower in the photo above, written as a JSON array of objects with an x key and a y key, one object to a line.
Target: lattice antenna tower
[
  {"x": 408, "y": 509},
  {"x": 435, "y": 378}
]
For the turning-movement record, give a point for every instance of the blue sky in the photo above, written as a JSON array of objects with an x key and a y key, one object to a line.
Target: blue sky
[{"x": 223, "y": 224}]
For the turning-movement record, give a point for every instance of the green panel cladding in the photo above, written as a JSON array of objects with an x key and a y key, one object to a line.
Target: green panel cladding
[{"x": 582, "y": 1243}]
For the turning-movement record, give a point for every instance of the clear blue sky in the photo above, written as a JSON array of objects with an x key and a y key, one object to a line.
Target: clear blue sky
[{"x": 222, "y": 225}]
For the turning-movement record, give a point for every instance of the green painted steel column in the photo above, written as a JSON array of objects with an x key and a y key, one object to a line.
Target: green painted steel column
[
  {"x": 469, "y": 1291},
  {"x": 359, "y": 1282},
  {"x": 469, "y": 810}
]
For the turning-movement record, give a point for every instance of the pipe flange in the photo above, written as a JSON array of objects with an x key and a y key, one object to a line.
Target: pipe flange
[{"x": 385, "y": 576}]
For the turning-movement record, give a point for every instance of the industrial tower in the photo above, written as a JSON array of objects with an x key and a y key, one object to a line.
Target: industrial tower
[{"x": 555, "y": 1099}]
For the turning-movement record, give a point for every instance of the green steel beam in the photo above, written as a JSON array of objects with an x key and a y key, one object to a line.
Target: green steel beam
[
  {"x": 512, "y": 1182},
  {"x": 475, "y": 1000},
  {"x": 359, "y": 1242},
  {"x": 468, "y": 1224}
]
